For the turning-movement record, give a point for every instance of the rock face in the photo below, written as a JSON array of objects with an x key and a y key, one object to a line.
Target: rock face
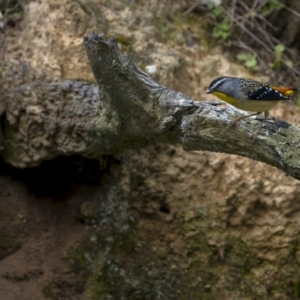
[{"x": 154, "y": 223}]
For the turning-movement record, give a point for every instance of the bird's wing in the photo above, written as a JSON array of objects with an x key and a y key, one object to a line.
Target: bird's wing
[{"x": 271, "y": 93}]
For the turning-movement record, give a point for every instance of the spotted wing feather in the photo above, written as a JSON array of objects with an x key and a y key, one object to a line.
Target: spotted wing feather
[{"x": 267, "y": 93}]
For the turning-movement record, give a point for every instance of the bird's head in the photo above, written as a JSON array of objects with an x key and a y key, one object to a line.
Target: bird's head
[{"x": 220, "y": 84}]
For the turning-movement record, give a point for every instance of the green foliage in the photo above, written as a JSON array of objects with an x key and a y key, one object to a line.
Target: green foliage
[
  {"x": 12, "y": 9},
  {"x": 277, "y": 64},
  {"x": 222, "y": 29},
  {"x": 238, "y": 27},
  {"x": 216, "y": 10},
  {"x": 249, "y": 60},
  {"x": 270, "y": 5}
]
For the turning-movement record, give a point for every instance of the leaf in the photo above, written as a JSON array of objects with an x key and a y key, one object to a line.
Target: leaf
[
  {"x": 251, "y": 62},
  {"x": 275, "y": 4},
  {"x": 216, "y": 32},
  {"x": 242, "y": 56},
  {"x": 217, "y": 10},
  {"x": 279, "y": 48},
  {"x": 288, "y": 63},
  {"x": 224, "y": 26},
  {"x": 265, "y": 11}
]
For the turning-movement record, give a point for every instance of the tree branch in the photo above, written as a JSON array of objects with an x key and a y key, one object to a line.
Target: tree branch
[{"x": 128, "y": 110}]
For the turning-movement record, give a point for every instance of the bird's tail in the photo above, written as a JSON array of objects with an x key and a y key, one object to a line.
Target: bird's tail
[{"x": 286, "y": 91}]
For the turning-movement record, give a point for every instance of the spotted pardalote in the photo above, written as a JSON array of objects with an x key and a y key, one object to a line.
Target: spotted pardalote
[{"x": 249, "y": 95}]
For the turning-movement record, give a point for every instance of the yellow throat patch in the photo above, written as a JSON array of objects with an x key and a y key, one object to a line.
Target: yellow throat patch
[{"x": 225, "y": 98}]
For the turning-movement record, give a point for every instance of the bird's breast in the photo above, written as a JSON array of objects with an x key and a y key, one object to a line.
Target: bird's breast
[
  {"x": 246, "y": 104},
  {"x": 226, "y": 98},
  {"x": 256, "y": 105}
]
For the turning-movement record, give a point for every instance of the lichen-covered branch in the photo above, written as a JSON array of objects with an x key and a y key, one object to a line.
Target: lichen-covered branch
[{"x": 127, "y": 109}]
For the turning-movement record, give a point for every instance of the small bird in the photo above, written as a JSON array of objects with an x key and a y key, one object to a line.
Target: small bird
[{"x": 249, "y": 95}]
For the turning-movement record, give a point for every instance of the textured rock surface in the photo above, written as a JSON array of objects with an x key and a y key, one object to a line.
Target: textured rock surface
[{"x": 156, "y": 223}]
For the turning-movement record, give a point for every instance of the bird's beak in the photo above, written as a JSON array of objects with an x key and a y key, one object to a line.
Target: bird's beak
[{"x": 209, "y": 91}]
